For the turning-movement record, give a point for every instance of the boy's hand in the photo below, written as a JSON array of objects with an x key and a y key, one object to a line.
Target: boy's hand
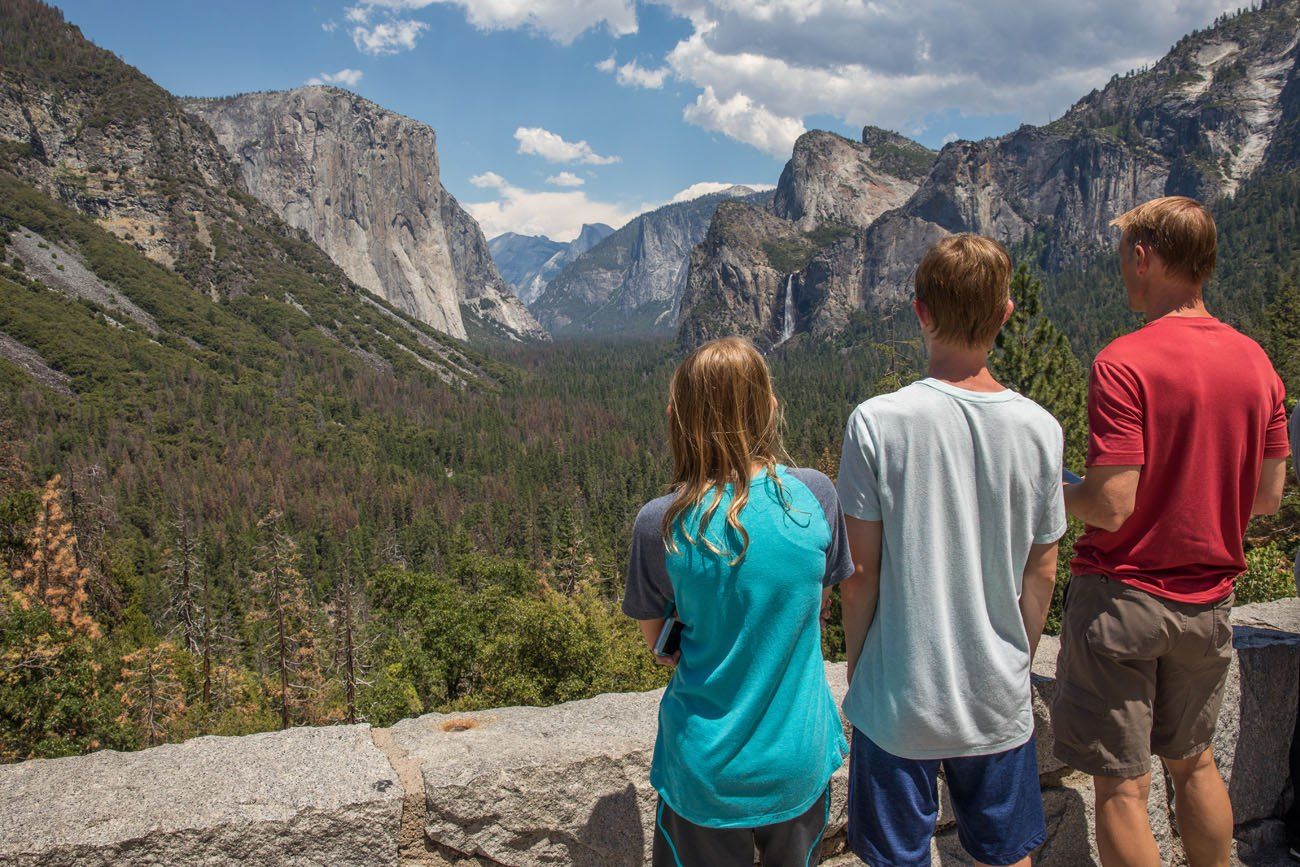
[{"x": 669, "y": 661}]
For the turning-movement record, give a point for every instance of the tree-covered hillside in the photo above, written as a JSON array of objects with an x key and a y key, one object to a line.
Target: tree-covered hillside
[{"x": 238, "y": 493}]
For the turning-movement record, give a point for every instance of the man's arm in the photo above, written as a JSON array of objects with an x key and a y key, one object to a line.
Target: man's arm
[
  {"x": 1036, "y": 592},
  {"x": 859, "y": 592},
  {"x": 1272, "y": 479},
  {"x": 1105, "y": 498}
]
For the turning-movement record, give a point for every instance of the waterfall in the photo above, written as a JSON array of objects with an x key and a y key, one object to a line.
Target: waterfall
[{"x": 787, "y": 324}]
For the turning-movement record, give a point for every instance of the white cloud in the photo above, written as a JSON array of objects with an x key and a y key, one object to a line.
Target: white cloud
[
  {"x": 357, "y": 14},
  {"x": 488, "y": 181},
  {"x": 632, "y": 75},
  {"x": 949, "y": 138},
  {"x": 558, "y": 215},
  {"x": 344, "y": 77},
  {"x": 704, "y": 188},
  {"x": 901, "y": 65},
  {"x": 553, "y": 148},
  {"x": 388, "y": 37},
  {"x": 329, "y": 26},
  {"x": 561, "y": 20},
  {"x": 741, "y": 118},
  {"x": 763, "y": 66},
  {"x": 566, "y": 179}
]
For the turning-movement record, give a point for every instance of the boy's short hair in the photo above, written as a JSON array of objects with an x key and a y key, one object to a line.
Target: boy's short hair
[
  {"x": 1179, "y": 229},
  {"x": 965, "y": 282}
]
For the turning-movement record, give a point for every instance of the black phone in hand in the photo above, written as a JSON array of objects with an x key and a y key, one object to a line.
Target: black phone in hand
[{"x": 670, "y": 637}]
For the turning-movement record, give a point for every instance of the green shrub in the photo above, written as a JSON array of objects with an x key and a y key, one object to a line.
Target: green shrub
[{"x": 1269, "y": 575}]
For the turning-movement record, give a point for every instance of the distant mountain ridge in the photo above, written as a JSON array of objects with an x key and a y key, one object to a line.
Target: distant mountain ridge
[
  {"x": 84, "y": 132},
  {"x": 1222, "y": 107},
  {"x": 363, "y": 182},
  {"x": 631, "y": 281},
  {"x": 528, "y": 262}
]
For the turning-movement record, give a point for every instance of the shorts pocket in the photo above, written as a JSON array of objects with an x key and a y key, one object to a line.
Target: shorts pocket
[
  {"x": 1126, "y": 624},
  {"x": 1221, "y": 645}
]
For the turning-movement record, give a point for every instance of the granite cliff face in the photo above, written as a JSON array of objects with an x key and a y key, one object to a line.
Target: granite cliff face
[
  {"x": 114, "y": 146},
  {"x": 363, "y": 183},
  {"x": 98, "y": 137},
  {"x": 761, "y": 276},
  {"x": 1208, "y": 116},
  {"x": 809, "y": 246},
  {"x": 832, "y": 178},
  {"x": 632, "y": 280},
  {"x": 529, "y": 262},
  {"x": 1222, "y": 107}
]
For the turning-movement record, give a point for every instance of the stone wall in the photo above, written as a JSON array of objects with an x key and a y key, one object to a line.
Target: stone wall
[{"x": 565, "y": 785}]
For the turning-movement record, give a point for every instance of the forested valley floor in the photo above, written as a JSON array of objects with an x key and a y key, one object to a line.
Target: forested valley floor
[{"x": 242, "y": 529}]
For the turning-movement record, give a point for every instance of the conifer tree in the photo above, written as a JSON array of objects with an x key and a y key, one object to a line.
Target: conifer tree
[
  {"x": 281, "y": 612},
  {"x": 896, "y": 357},
  {"x": 350, "y": 648},
  {"x": 17, "y": 502},
  {"x": 187, "y": 583},
  {"x": 1033, "y": 357},
  {"x": 151, "y": 692},
  {"x": 573, "y": 566},
  {"x": 1282, "y": 339},
  {"x": 50, "y": 575},
  {"x": 91, "y": 516}
]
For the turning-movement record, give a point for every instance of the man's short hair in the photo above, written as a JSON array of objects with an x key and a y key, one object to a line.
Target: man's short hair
[
  {"x": 965, "y": 282},
  {"x": 1177, "y": 228}
]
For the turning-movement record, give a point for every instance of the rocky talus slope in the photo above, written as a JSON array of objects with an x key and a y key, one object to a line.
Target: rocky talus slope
[
  {"x": 363, "y": 183},
  {"x": 632, "y": 281},
  {"x": 565, "y": 785},
  {"x": 1221, "y": 108}
]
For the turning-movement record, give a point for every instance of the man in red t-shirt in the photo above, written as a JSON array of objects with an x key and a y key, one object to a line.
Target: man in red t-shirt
[{"x": 1187, "y": 441}]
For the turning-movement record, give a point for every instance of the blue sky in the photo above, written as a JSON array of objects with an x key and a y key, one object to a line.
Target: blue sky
[{"x": 551, "y": 113}]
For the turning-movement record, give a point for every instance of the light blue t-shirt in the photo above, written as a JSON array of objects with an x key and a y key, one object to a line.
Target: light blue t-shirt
[
  {"x": 964, "y": 482},
  {"x": 748, "y": 730}
]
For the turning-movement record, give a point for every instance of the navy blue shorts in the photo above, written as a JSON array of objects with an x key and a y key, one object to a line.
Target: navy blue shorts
[{"x": 894, "y": 805}]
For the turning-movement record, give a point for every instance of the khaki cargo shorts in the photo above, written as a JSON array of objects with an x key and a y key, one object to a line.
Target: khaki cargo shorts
[{"x": 1137, "y": 674}]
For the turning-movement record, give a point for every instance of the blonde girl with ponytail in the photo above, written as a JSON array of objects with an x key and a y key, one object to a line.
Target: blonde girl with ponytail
[{"x": 742, "y": 553}]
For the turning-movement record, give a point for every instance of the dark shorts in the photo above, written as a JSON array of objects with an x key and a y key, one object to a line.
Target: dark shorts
[
  {"x": 793, "y": 843},
  {"x": 1137, "y": 674},
  {"x": 894, "y": 804}
]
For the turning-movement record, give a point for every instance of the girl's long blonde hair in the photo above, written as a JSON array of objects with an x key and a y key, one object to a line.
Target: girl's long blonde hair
[{"x": 722, "y": 419}]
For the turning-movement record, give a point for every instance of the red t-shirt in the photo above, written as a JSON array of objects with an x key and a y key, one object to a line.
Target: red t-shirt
[{"x": 1197, "y": 405}]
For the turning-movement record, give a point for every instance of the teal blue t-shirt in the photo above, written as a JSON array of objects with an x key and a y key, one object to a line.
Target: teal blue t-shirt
[{"x": 749, "y": 734}]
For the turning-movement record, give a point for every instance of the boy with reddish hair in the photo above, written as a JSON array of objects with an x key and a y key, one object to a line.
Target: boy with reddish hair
[{"x": 952, "y": 491}]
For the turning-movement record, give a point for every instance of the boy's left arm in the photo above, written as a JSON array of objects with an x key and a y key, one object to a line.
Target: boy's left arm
[
  {"x": 1036, "y": 592},
  {"x": 861, "y": 590}
]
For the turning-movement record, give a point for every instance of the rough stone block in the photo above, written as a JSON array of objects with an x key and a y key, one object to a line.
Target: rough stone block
[
  {"x": 308, "y": 796},
  {"x": 1259, "y": 708},
  {"x": 540, "y": 786}
]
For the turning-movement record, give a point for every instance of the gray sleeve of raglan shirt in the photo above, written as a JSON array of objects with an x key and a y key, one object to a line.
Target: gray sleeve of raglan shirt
[
  {"x": 839, "y": 560},
  {"x": 648, "y": 590}
]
